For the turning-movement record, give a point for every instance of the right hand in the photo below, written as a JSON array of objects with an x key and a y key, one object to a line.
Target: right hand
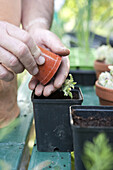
[
  {"x": 18, "y": 51},
  {"x": 49, "y": 40}
]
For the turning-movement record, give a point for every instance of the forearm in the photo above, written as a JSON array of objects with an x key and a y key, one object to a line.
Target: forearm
[
  {"x": 37, "y": 12},
  {"x": 10, "y": 11}
]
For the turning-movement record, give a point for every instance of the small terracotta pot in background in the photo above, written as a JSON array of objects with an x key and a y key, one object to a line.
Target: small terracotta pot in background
[
  {"x": 49, "y": 68},
  {"x": 100, "y": 67},
  {"x": 105, "y": 95}
]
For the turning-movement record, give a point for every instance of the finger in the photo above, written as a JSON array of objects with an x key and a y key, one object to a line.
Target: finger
[
  {"x": 5, "y": 74},
  {"x": 33, "y": 82},
  {"x": 39, "y": 89},
  {"x": 55, "y": 44},
  {"x": 49, "y": 89},
  {"x": 62, "y": 72},
  {"x": 20, "y": 50},
  {"x": 23, "y": 36},
  {"x": 10, "y": 61}
]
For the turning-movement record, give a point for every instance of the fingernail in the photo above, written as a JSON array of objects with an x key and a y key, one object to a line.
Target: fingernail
[
  {"x": 38, "y": 93},
  {"x": 35, "y": 71},
  {"x": 64, "y": 48},
  {"x": 59, "y": 85},
  {"x": 32, "y": 86},
  {"x": 41, "y": 60}
]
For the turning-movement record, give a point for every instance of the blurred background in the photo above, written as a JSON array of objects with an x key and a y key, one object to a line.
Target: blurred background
[
  {"x": 93, "y": 15},
  {"x": 86, "y": 25},
  {"x": 82, "y": 26}
]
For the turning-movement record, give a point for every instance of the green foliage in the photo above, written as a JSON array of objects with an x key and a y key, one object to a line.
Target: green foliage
[
  {"x": 98, "y": 155},
  {"x": 72, "y": 161},
  {"x": 67, "y": 86},
  {"x": 57, "y": 28},
  {"x": 97, "y": 15},
  {"x": 68, "y": 11},
  {"x": 82, "y": 26}
]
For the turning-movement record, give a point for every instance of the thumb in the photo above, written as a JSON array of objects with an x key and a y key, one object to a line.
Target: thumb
[{"x": 54, "y": 44}]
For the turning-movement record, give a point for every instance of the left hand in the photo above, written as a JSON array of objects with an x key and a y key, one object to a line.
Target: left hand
[{"x": 49, "y": 40}]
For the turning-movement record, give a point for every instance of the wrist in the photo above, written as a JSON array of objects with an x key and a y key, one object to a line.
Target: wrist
[{"x": 37, "y": 23}]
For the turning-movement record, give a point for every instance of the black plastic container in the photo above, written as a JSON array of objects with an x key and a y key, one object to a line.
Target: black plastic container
[
  {"x": 52, "y": 121},
  {"x": 84, "y": 77},
  {"x": 83, "y": 134}
]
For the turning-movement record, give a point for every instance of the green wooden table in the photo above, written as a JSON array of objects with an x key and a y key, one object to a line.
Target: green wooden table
[{"x": 14, "y": 138}]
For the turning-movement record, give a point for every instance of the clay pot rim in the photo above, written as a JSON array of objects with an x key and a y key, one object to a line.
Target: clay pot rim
[
  {"x": 101, "y": 62},
  {"x": 102, "y": 87}
]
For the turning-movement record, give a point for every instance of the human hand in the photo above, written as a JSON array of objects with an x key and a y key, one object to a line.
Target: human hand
[
  {"x": 17, "y": 51},
  {"x": 50, "y": 41}
]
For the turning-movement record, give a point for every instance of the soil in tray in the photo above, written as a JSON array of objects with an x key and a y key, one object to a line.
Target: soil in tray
[
  {"x": 93, "y": 121},
  {"x": 60, "y": 95}
]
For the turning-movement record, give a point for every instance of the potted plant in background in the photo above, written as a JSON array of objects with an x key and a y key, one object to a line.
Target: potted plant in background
[
  {"x": 104, "y": 87},
  {"x": 52, "y": 121},
  {"x": 104, "y": 58},
  {"x": 87, "y": 122}
]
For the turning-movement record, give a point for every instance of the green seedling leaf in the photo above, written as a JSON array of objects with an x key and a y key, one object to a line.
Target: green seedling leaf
[{"x": 68, "y": 85}]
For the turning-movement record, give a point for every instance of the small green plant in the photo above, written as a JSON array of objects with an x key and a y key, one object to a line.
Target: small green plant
[
  {"x": 98, "y": 155},
  {"x": 68, "y": 85}
]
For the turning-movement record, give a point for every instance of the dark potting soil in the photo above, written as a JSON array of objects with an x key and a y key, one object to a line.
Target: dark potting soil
[
  {"x": 60, "y": 95},
  {"x": 96, "y": 120}
]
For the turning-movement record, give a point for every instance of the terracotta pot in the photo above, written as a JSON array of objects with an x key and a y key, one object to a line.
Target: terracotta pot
[
  {"x": 100, "y": 67},
  {"x": 105, "y": 95},
  {"x": 51, "y": 65}
]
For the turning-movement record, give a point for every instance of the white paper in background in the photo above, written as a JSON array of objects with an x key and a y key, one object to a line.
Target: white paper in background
[{"x": 58, "y": 4}]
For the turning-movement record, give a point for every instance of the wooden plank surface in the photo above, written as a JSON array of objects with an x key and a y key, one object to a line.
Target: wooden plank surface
[
  {"x": 50, "y": 160},
  {"x": 13, "y": 138},
  {"x": 18, "y": 130},
  {"x": 10, "y": 156},
  {"x": 89, "y": 95}
]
